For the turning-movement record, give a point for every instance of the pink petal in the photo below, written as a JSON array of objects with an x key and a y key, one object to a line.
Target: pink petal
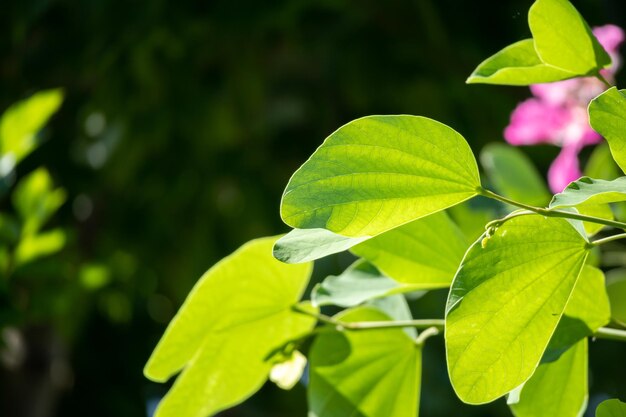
[
  {"x": 534, "y": 122},
  {"x": 564, "y": 169},
  {"x": 556, "y": 93},
  {"x": 609, "y": 36},
  {"x": 577, "y": 132}
]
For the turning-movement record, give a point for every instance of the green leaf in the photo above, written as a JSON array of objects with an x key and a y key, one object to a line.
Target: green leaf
[
  {"x": 557, "y": 388},
  {"x": 505, "y": 303},
  {"x": 32, "y": 247},
  {"x": 601, "y": 164},
  {"x": 368, "y": 374},
  {"x": 357, "y": 284},
  {"x": 19, "y": 126},
  {"x": 607, "y": 116},
  {"x": 425, "y": 252},
  {"x": 397, "y": 308},
  {"x": 590, "y": 191},
  {"x": 513, "y": 174},
  {"x": 611, "y": 408},
  {"x": 587, "y": 310},
  {"x": 563, "y": 39},
  {"x": 472, "y": 216},
  {"x": 36, "y": 200},
  {"x": 517, "y": 64},
  {"x": 616, "y": 288},
  {"x": 380, "y": 172},
  {"x": 304, "y": 245},
  {"x": 602, "y": 211},
  {"x": 237, "y": 313}
]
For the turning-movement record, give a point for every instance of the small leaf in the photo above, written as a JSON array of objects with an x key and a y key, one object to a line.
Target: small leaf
[
  {"x": 359, "y": 283},
  {"x": 517, "y": 64},
  {"x": 513, "y": 174},
  {"x": 368, "y": 374},
  {"x": 557, "y": 388},
  {"x": 425, "y": 252},
  {"x": 304, "y": 245},
  {"x": 238, "y": 312},
  {"x": 590, "y": 191},
  {"x": 611, "y": 408},
  {"x": 380, "y": 172},
  {"x": 36, "y": 200},
  {"x": 506, "y": 302},
  {"x": 21, "y": 122},
  {"x": 607, "y": 116},
  {"x": 563, "y": 39},
  {"x": 32, "y": 247}
]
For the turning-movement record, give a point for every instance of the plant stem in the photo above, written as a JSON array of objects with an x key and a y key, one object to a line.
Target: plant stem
[
  {"x": 608, "y": 239},
  {"x": 431, "y": 326},
  {"x": 551, "y": 212},
  {"x": 604, "y": 80}
]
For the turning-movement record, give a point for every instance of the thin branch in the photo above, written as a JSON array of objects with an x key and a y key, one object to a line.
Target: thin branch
[{"x": 608, "y": 239}]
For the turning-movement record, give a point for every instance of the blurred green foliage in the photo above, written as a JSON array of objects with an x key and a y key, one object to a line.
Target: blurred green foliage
[{"x": 181, "y": 124}]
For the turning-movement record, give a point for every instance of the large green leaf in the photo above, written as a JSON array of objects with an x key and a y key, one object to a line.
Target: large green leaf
[
  {"x": 304, "y": 245},
  {"x": 238, "y": 312},
  {"x": 380, "y": 172},
  {"x": 556, "y": 388},
  {"x": 505, "y": 303},
  {"x": 607, "y": 116},
  {"x": 21, "y": 122},
  {"x": 425, "y": 252},
  {"x": 357, "y": 284},
  {"x": 369, "y": 374},
  {"x": 590, "y": 191},
  {"x": 513, "y": 174},
  {"x": 611, "y": 408},
  {"x": 517, "y": 64},
  {"x": 563, "y": 39}
]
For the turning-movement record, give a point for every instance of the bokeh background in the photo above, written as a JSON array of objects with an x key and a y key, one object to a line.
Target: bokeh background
[{"x": 181, "y": 125}]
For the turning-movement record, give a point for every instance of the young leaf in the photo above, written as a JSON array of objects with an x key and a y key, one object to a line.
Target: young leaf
[
  {"x": 505, "y": 303},
  {"x": 557, "y": 388},
  {"x": 425, "y": 252},
  {"x": 359, "y": 283},
  {"x": 611, "y": 408},
  {"x": 380, "y": 172},
  {"x": 517, "y": 64},
  {"x": 590, "y": 191},
  {"x": 368, "y": 374},
  {"x": 513, "y": 174},
  {"x": 304, "y": 245},
  {"x": 21, "y": 122},
  {"x": 236, "y": 314},
  {"x": 607, "y": 116},
  {"x": 563, "y": 39}
]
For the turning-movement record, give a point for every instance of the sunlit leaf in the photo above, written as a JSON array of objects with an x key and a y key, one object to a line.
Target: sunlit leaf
[
  {"x": 236, "y": 314},
  {"x": 425, "y": 252},
  {"x": 36, "y": 246},
  {"x": 506, "y": 302},
  {"x": 369, "y": 374},
  {"x": 517, "y": 64},
  {"x": 563, "y": 39},
  {"x": 607, "y": 116},
  {"x": 590, "y": 191},
  {"x": 380, "y": 172}
]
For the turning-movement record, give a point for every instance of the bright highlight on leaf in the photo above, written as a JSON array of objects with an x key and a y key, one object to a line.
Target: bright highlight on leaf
[
  {"x": 370, "y": 373},
  {"x": 425, "y": 253},
  {"x": 287, "y": 374},
  {"x": 238, "y": 312},
  {"x": 562, "y": 47},
  {"x": 607, "y": 116},
  {"x": 505, "y": 303},
  {"x": 380, "y": 172}
]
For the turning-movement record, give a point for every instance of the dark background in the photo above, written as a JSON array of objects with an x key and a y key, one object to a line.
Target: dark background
[{"x": 182, "y": 123}]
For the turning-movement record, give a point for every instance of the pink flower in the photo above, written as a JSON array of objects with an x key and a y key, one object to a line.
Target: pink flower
[{"x": 557, "y": 114}]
